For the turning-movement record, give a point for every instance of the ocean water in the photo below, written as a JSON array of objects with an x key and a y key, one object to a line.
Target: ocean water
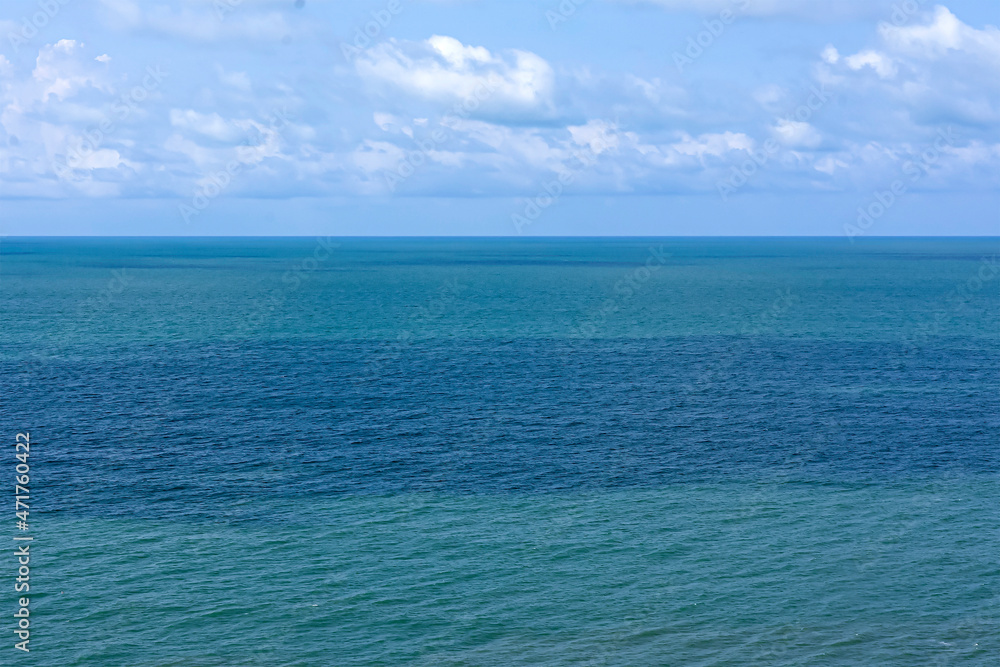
[{"x": 506, "y": 452}]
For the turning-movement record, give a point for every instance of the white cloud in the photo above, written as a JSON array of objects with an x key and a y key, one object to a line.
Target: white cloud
[
  {"x": 796, "y": 134},
  {"x": 529, "y": 122},
  {"x": 386, "y": 121},
  {"x": 237, "y": 80},
  {"x": 936, "y": 71},
  {"x": 60, "y": 71},
  {"x": 444, "y": 69},
  {"x": 211, "y": 125},
  {"x": 944, "y": 33},
  {"x": 881, "y": 63},
  {"x": 457, "y": 54},
  {"x": 713, "y": 144},
  {"x": 513, "y": 146},
  {"x": 768, "y": 96},
  {"x": 103, "y": 158},
  {"x": 48, "y": 120},
  {"x": 200, "y": 156},
  {"x": 377, "y": 156},
  {"x": 830, "y": 164},
  {"x": 598, "y": 135}
]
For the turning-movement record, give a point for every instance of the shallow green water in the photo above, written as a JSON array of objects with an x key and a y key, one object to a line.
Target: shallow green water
[{"x": 733, "y": 573}]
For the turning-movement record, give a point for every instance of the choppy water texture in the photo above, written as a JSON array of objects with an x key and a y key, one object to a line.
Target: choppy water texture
[{"x": 495, "y": 452}]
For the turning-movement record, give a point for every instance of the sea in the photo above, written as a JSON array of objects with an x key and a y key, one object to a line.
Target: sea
[{"x": 495, "y": 451}]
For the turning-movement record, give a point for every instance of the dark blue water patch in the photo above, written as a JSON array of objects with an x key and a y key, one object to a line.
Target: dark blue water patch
[
  {"x": 499, "y": 251},
  {"x": 163, "y": 429}
]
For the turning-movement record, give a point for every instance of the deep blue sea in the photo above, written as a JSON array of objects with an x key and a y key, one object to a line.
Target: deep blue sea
[{"x": 345, "y": 451}]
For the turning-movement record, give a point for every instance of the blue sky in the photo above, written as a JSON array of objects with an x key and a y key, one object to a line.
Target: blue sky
[{"x": 851, "y": 118}]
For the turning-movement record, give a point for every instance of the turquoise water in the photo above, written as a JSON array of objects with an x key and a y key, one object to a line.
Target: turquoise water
[
  {"x": 493, "y": 452},
  {"x": 758, "y": 573}
]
